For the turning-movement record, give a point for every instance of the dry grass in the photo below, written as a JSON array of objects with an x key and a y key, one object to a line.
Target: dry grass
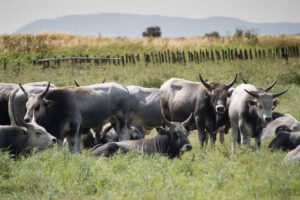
[{"x": 59, "y": 42}]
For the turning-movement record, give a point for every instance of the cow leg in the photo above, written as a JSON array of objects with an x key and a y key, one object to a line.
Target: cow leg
[
  {"x": 121, "y": 128},
  {"x": 73, "y": 138},
  {"x": 243, "y": 132},
  {"x": 213, "y": 138},
  {"x": 60, "y": 142},
  {"x": 258, "y": 142},
  {"x": 201, "y": 131},
  {"x": 221, "y": 138},
  {"x": 234, "y": 134}
]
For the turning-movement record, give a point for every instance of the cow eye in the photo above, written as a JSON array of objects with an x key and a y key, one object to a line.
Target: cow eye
[
  {"x": 38, "y": 133},
  {"x": 37, "y": 108}
]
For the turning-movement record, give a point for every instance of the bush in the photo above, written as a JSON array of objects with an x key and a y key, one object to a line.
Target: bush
[
  {"x": 153, "y": 31},
  {"x": 214, "y": 34}
]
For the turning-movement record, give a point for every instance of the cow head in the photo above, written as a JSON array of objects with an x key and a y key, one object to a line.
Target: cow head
[
  {"x": 177, "y": 133},
  {"x": 263, "y": 103},
  {"x": 36, "y": 103},
  {"x": 219, "y": 93},
  {"x": 38, "y": 136}
]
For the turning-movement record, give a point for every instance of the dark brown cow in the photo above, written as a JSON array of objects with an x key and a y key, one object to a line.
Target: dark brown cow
[{"x": 169, "y": 141}]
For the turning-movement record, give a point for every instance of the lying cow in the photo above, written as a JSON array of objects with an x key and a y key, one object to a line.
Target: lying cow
[
  {"x": 280, "y": 120},
  {"x": 285, "y": 140},
  {"x": 250, "y": 111},
  {"x": 169, "y": 141},
  {"x": 108, "y": 134},
  {"x": 19, "y": 140},
  {"x": 180, "y": 97},
  {"x": 293, "y": 156}
]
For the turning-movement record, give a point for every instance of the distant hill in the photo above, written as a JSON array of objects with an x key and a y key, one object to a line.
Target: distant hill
[{"x": 127, "y": 25}]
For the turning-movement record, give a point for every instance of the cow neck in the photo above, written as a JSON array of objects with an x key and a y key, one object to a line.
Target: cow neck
[{"x": 164, "y": 145}]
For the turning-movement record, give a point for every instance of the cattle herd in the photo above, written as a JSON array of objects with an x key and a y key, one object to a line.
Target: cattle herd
[{"x": 109, "y": 118}]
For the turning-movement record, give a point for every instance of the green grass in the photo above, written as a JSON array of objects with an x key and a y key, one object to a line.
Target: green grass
[{"x": 199, "y": 174}]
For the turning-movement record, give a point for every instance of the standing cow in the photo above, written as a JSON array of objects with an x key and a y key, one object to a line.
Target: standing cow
[
  {"x": 5, "y": 91},
  {"x": 68, "y": 110},
  {"x": 250, "y": 111},
  {"x": 180, "y": 97},
  {"x": 148, "y": 112}
]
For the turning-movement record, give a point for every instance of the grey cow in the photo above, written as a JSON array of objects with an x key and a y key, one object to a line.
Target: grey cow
[
  {"x": 5, "y": 91},
  {"x": 293, "y": 156},
  {"x": 169, "y": 141},
  {"x": 250, "y": 110},
  {"x": 69, "y": 110},
  {"x": 19, "y": 139},
  {"x": 148, "y": 113},
  {"x": 286, "y": 120},
  {"x": 180, "y": 97}
]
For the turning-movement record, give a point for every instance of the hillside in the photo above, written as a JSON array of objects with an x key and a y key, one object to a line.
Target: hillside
[{"x": 127, "y": 25}]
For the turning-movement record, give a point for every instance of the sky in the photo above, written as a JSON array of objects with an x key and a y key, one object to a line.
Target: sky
[{"x": 17, "y": 13}]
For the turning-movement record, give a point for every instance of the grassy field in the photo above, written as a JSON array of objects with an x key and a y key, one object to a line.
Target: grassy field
[{"x": 210, "y": 173}]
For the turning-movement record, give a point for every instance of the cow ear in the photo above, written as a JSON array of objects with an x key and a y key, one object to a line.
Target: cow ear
[
  {"x": 275, "y": 103},
  {"x": 161, "y": 131},
  {"x": 48, "y": 103},
  {"x": 252, "y": 102},
  {"x": 230, "y": 92}
]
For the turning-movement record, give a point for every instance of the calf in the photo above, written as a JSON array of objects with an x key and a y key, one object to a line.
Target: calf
[
  {"x": 17, "y": 139},
  {"x": 169, "y": 141}
]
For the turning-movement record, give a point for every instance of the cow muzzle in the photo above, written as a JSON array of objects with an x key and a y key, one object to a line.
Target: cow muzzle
[
  {"x": 220, "y": 109},
  {"x": 186, "y": 147},
  {"x": 27, "y": 120},
  {"x": 267, "y": 119}
]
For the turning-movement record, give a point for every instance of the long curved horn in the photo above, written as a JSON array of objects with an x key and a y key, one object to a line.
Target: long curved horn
[
  {"x": 231, "y": 84},
  {"x": 187, "y": 121},
  {"x": 204, "y": 83},
  {"x": 252, "y": 93},
  {"x": 103, "y": 80},
  {"x": 23, "y": 89},
  {"x": 245, "y": 82},
  {"x": 167, "y": 122},
  {"x": 75, "y": 82},
  {"x": 271, "y": 86},
  {"x": 279, "y": 93},
  {"x": 46, "y": 91}
]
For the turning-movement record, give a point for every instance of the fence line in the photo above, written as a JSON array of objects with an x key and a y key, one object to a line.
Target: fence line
[{"x": 180, "y": 57}]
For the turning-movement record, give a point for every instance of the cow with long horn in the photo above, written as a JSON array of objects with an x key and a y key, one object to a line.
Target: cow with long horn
[
  {"x": 206, "y": 100},
  {"x": 250, "y": 111},
  {"x": 67, "y": 111},
  {"x": 170, "y": 141}
]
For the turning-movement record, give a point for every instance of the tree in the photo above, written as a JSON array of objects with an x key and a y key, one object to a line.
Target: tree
[{"x": 152, "y": 31}]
